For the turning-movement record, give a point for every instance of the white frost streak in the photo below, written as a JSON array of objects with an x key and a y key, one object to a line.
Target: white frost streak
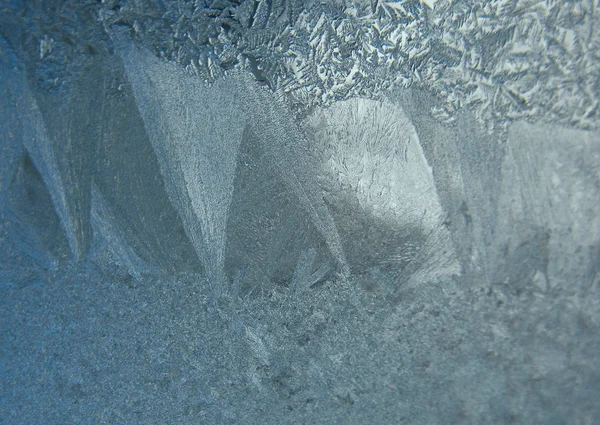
[
  {"x": 30, "y": 126},
  {"x": 196, "y": 132},
  {"x": 257, "y": 346},
  {"x": 286, "y": 145},
  {"x": 112, "y": 239}
]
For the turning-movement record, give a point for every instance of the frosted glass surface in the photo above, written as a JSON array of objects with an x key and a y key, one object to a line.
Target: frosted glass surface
[{"x": 299, "y": 212}]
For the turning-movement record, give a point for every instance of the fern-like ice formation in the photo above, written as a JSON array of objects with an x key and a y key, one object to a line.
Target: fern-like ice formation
[{"x": 507, "y": 60}]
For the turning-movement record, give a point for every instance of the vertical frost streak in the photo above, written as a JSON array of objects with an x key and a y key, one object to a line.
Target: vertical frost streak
[{"x": 196, "y": 131}]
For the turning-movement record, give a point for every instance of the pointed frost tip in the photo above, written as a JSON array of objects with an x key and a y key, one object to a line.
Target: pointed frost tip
[{"x": 429, "y": 3}]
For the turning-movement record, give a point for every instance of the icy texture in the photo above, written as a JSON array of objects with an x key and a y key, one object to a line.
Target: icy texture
[
  {"x": 507, "y": 59},
  {"x": 196, "y": 133},
  {"x": 264, "y": 212},
  {"x": 371, "y": 159}
]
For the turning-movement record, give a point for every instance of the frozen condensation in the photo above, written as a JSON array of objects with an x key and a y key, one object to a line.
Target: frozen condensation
[{"x": 294, "y": 212}]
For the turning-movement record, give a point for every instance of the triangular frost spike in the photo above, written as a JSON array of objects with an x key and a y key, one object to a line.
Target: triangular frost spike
[
  {"x": 286, "y": 145},
  {"x": 196, "y": 132},
  {"x": 108, "y": 236},
  {"x": 30, "y": 131}
]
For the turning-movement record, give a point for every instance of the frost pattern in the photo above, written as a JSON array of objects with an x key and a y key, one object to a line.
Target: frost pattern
[
  {"x": 370, "y": 152},
  {"x": 507, "y": 60},
  {"x": 196, "y": 131},
  {"x": 34, "y": 138},
  {"x": 373, "y": 150},
  {"x": 286, "y": 144},
  {"x": 129, "y": 335}
]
